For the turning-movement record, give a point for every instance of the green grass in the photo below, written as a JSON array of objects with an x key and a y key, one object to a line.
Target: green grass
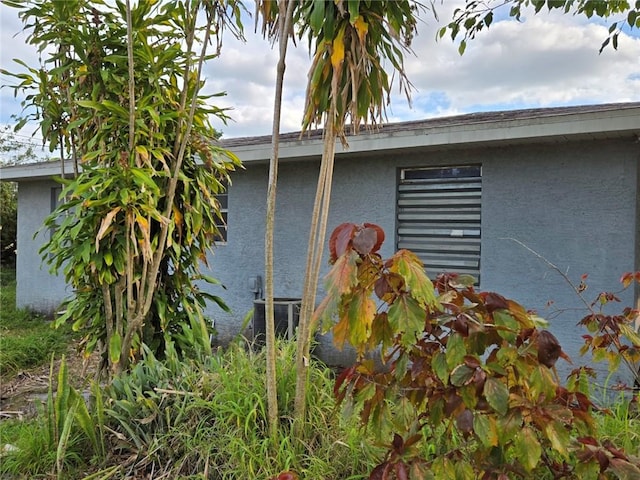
[{"x": 27, "y": 340}]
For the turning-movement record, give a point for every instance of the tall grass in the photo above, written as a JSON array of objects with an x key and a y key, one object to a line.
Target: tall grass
[
  {"x": 26, "y": 339},
  {"x": 184, "y": 420}
]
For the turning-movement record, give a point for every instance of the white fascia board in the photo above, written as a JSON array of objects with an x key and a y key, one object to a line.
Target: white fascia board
[
  {"x": 32, "y": 171},
  {"x": 490, "y": 132}
]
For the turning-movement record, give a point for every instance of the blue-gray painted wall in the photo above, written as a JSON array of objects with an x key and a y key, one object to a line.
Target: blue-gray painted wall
[
  {"x": 36, "y": 287},
  {"x": 575, "y": 203}
]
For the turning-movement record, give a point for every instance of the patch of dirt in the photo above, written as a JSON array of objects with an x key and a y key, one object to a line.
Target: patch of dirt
[{"x": 21, "y": 393}]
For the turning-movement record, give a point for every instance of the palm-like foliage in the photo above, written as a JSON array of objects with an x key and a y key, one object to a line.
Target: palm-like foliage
[{"x": 121, "y": 95}]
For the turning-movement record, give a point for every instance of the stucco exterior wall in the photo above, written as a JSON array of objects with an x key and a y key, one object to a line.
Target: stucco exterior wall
[
  {"x": 36, "y": 288},
  {"x": 574, "y": 203}
]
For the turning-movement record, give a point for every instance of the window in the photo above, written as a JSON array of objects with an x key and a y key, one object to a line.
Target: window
[
  {"x": 221, "y": 222},
  {"x": 438, "y": 217}
]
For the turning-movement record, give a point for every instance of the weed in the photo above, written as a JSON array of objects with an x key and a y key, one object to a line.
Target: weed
[{"x": 26, "y": 339}]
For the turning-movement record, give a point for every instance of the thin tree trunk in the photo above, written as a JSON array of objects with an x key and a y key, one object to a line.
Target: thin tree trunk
[
  {"x": 284, "y": 22},
  {"x": 314, "y": 258},
  {"x": 145, "y": 296}
]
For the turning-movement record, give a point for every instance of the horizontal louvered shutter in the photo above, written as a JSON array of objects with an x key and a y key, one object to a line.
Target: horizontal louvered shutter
[{"x": 439, "y": 217}]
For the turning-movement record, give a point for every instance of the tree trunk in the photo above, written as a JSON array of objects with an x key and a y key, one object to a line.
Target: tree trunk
[{"x": 285, "y": 14}]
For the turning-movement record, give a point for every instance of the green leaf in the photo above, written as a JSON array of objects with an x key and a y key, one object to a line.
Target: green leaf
[
  {"x": 507, "y": 325},
  {"x": 497, "y": 394},
  {"x": 559, "y": 437},
  {"x": 485, "y": 429},
  {"x": 408, "y": 265},
  {"x": 440, "y": 367},
  {"x": 406, "y": 317},
  {"x": 461, "y": 375},
  {"x": 527, "y": 448},
  {"x": 115, "y": 346},
  {"x": 455, "y": 351}
]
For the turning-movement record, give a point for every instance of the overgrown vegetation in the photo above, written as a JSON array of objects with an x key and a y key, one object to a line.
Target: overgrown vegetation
[
  {"x": 27, "y": 340},
  {"x": 476, "y": 364},
  {"x": 205, "y": 419}
]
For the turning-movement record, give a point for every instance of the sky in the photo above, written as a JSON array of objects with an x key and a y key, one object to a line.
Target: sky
[{"x": 546, "y": 60}]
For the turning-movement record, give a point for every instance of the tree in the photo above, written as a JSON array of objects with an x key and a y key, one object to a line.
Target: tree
[
  {"x": 120, "y": 97},
  {"x": 476, "y": 16},
  {"x": 277, "y": 20},
  {"x": 350, "y": 43}
]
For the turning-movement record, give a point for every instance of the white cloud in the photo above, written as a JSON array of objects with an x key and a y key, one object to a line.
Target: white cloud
[{"x": 546, "y": 60}]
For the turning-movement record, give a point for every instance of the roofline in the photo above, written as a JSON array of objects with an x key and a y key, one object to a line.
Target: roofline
[
  {"x": 486, "y": 128},
  {"x": 475, "y": 129}
]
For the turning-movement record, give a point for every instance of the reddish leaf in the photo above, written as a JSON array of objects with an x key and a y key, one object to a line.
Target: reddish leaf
[
  {"x": 380, "y": 235},
  {"x": 364, "y": 240},
  {"x": 340, "y": 240},
  {"x": 401, "y": 471},
  {"x": 345, "y": 376},
  {"x": 494, "y": 301},
  {"x": 464, "y": 421},
  {"x": 624, "y": 469},
  {"x": 288, "y": 476},
  {"x": 627, "y": 279},
  {"x": 388, "y": 286}
]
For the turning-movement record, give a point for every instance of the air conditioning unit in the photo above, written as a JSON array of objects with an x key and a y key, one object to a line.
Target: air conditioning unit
[{"x": 286, "y": 313}]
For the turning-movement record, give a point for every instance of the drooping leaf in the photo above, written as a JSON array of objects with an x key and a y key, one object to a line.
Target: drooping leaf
[
  {"x": 343, "y": 275},
  {"x": 362, "y": 311},
  {"x": 559, "y": 437},
  {"x": 408, "y": 265},
  {"x": 527, "y": 448},
  {"x": 497, "y": 394}
]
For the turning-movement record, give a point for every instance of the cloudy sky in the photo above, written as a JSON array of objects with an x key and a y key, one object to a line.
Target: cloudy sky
[{"x": 546, "y": 60}]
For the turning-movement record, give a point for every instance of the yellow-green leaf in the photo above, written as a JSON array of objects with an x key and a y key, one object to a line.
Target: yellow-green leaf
[
  {"x": 527, "y": 448},
  {"x": 558, "y": 435},
  {"x": 115, "y": 345},
  {"x": 455, "y": 351},
  {"x": 362, "y": 310}
]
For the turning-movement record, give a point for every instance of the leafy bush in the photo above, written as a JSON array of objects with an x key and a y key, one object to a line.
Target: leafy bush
[{"x": 468, "y": 388}]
